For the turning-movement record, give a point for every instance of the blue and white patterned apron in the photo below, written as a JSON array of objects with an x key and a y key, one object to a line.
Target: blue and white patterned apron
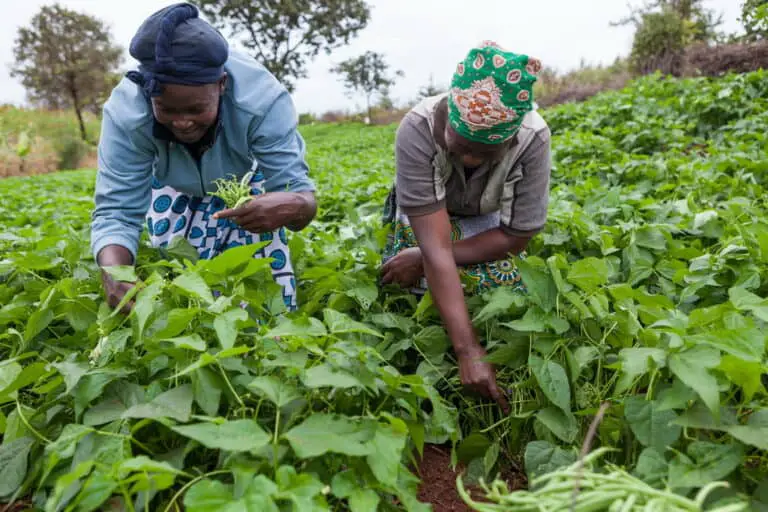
[{"x": 173, "y": 214}]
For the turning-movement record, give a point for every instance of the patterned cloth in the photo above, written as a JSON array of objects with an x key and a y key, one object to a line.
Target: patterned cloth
[
  {"x": 477, "y": 278},
  {"x": 490, "y": 93},
  {"x": 173, "y": 214}
]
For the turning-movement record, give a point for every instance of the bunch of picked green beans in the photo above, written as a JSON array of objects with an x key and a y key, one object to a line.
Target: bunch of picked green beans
[
  {"x": 232, "y": 191},
  {"x": 580, "y": 489}
]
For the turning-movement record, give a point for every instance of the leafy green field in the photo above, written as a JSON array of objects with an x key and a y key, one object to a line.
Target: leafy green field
[{"x": 647, "y": 292}]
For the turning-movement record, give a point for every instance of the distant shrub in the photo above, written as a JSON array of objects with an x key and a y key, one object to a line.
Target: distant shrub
[
  {"x": 70, "y": 151},
  {"x": 307, "y": 118},
  {"x": 659, "y": 43}
]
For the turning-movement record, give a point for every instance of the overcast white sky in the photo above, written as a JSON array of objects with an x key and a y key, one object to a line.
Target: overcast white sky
[{"x": 420, "y": 37}]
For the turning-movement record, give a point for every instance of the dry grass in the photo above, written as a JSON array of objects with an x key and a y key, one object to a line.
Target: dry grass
[{"x": 703, "y": 60}]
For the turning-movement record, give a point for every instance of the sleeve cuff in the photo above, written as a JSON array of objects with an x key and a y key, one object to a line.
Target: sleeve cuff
[
  {"x": 520, "y": 233},
  {"x": 417, "y": 211},
  {"x": 300, "y": 185},
  {"x": 124, "y": 241}
]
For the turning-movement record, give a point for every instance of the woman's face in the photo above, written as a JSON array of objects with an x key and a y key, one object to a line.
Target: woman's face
[
  {"x": 471, "y": 154},
  {"x": 188, "y": 111}
]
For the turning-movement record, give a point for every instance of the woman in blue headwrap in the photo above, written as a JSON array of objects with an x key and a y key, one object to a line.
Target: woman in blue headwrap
[{"x": 195, "y": 112}]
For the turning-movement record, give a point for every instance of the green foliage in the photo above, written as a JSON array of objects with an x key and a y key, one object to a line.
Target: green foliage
[
  {"x": 66, "y": 59},
  {"x": 659, "y": 43},
  {"x": 648, "y": 290},
  {"x": 284, "y": 36},
  {"x": 70, "y": 151},
  {"x": 366, "y": 74},
  {"x": 754, "y": 17}
]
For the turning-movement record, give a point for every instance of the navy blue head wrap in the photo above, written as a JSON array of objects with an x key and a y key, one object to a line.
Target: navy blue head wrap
[{"x": 175, "y": 46}]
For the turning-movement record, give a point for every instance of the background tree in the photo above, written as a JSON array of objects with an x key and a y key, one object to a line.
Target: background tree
[
  {"x": 754, "y": 17},
  {"x": 664, "y": 29},
  {"x": 366, "y": 74},
  {"x": 431, "y": 89},
  {"x": 66, "y": 59},
  {"x": 284, "y": 35},
  {"x": 701, "y": 22}
]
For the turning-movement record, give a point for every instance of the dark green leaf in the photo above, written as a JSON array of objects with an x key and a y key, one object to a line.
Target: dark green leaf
[
  {"x": 652, "y": 427},
  {"x": 746, "y": 344},
  {"x": 175, "y": 403},
  {"x": 540, "y": 285},
  {"x": 124, "y": 273},
  {"x": 553, "y": 381},
  {"x": 190, "y": 342},
  {"x": 561, "y": 423},
  {"x": 207, "y": 387},
  {"x": 227, "y": 326},
  {"x": 542, "y": 457},
  {"x": 194, "y": 286},
  {"x": 692, "y": 366},
  {"x": 588, "y": 274},
  {"x": 652, "y": 467},
  {"x": 72, "y": 372},
  {"x": 234, "y": 436},
  {"x": 280, "y": 393},
  {"x": 96, "y": 490},
  {"x": 745, "y": 374},
  {"x": 119, "y": 399},
  {"x": 705, "y": 463},
  {"x": 325, "y": 375},
  {"x": 13, "y": 464},
  {"x": 323, "y": 433},
  {"x": 299, "y": 327},
  {"x": 339, "y": 323},
  {"x": 173, "y": 324},
  {"x": 208, "y": 496}
]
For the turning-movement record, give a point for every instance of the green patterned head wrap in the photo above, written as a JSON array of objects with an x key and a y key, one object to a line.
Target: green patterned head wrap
[{"x": 491, "y": 92}]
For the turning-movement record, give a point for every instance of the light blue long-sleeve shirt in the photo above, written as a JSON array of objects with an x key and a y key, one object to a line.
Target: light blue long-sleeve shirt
[{"x": 257, "y": 121}]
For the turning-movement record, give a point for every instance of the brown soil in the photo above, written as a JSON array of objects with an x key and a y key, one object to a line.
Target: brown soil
[{"x": 439, "y": 481}]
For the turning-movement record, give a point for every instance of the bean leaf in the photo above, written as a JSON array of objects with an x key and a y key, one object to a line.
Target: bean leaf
[
  {"x": 13, "y": 464},
  {"x": 553, "y": 381},
  {"x": 175, "y": 403},
  {"x": 234, "y": 436},
  {"x": 651, "y": 426},
  {"x": 322, "y": 433}
]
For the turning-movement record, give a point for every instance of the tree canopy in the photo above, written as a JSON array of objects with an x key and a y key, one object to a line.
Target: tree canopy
[
  {"x": 284, "y": 36},
  {"x": 367, "y": 74},
  {"x": 66, "y": 59}
]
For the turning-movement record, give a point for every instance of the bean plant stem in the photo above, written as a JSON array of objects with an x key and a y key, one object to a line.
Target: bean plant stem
[
  {"x": 26, "y": 423},
  {"x": 229, "y": 384},
  {"x": 276, "y": 442},
  {"x": 190, "y": 484}
]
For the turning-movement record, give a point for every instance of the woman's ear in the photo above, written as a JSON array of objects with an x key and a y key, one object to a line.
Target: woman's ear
[{"x": 223, "y": 84}]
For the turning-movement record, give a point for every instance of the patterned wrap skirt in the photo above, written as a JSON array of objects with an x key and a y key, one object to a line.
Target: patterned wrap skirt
[
  {"x": 173, "y": 214},
  {"x": 477, "y": 278}
]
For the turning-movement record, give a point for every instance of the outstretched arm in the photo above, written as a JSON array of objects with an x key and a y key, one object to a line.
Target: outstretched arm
[{"x": 433, "y": 232}]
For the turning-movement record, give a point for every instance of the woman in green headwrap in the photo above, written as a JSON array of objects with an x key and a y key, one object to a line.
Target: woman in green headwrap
[{"x": 471, "y": 189}]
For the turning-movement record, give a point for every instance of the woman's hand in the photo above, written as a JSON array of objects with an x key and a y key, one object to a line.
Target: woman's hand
[
  {"x": 404, "y": 269},
  {"x": 114, "y": 256},
  {"x": 479, "y": 376},
  {"x": 115, "y": 291},
  {"x": 273, "y": 210}
]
